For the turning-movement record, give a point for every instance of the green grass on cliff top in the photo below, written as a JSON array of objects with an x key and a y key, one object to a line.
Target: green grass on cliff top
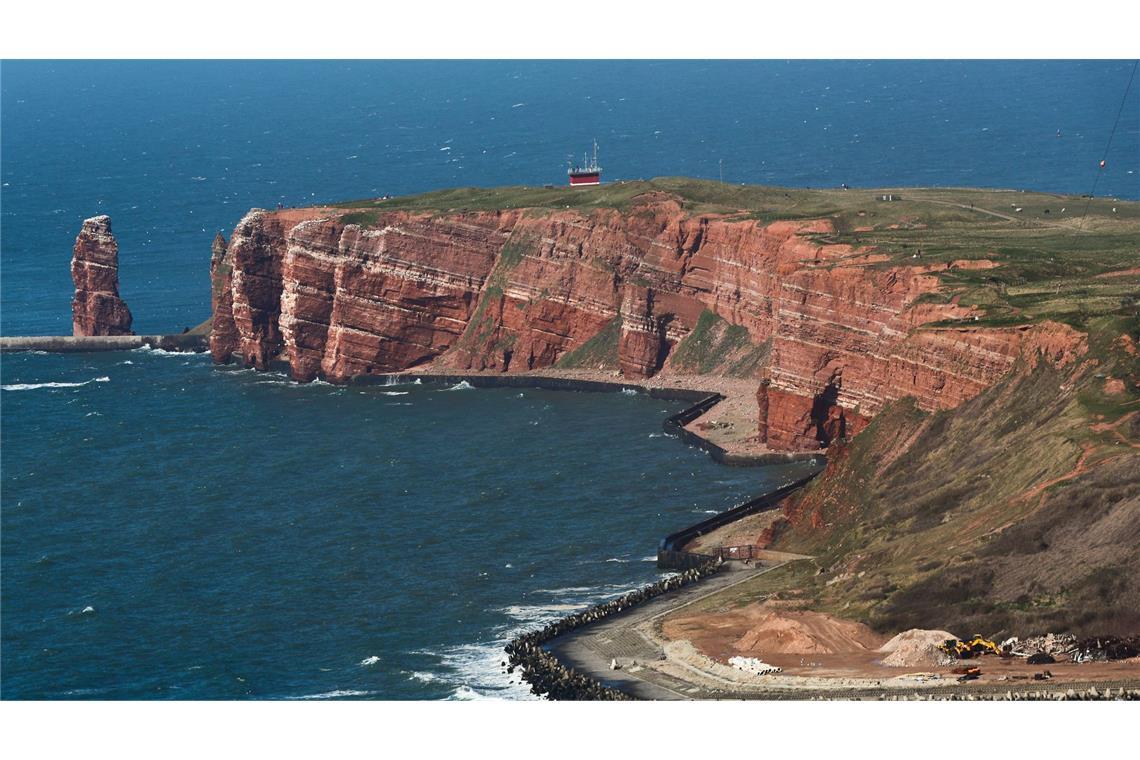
[
  {"x": 1052, "y": 254},
  {"x": 930, "y": 205}
]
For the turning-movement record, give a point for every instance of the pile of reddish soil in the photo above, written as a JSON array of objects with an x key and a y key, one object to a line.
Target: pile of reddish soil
[{"x": 779, "y": 632}]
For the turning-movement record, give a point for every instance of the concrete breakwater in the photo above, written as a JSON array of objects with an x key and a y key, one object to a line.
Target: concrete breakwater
[
  {"x": 550, "y": 678},
  {"x": 68, "y": 344},
  {"x": 671, "y": 552}
]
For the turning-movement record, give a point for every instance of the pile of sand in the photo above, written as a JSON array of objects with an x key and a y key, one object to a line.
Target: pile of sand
[
  {"x": 779, "y": 632},
  {"x": 916, "y": 648}
]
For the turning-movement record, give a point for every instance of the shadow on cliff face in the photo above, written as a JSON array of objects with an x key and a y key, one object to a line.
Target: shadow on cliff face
[{"x": 827, "y": 417}]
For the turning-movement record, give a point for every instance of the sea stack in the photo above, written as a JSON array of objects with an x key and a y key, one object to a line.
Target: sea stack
[{"x": 97, "y": 308}]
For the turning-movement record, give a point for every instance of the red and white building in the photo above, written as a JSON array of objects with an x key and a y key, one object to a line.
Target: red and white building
[{"x": 588, "y": 172}]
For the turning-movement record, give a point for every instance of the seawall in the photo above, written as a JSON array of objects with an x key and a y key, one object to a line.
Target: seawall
[
  {"x": 67, "y": 344},
  {"x": 545, "y": 674}
]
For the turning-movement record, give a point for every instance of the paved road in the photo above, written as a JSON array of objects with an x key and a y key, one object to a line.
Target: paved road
[{"x": 590, "y": 649}]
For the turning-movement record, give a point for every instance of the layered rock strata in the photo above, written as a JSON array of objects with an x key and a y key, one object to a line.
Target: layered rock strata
[
  {"x": 518, "y": 290},
  {"x": 96, "y": 308}
]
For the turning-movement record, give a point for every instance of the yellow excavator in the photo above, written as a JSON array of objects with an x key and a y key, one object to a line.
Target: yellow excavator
[{"x": 965, "y": 650}]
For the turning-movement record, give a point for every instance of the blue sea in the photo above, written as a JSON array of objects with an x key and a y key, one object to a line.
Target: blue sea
[{"x": 172, "y": 529}]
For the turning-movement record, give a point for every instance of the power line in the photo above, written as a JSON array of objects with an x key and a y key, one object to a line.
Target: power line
[{"x": 1111, "y": 134}]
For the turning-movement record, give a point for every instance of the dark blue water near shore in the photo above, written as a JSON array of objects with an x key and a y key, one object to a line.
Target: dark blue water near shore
[
  {"x": 175, "y": 151},
  {"x": 173, "y": 530}
]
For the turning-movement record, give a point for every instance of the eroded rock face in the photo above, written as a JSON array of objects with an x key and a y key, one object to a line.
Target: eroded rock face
[
  {"x": 643, "y": 345},
  {"x": 97, "y": 308},
  {"x": 519, "y": 290}
]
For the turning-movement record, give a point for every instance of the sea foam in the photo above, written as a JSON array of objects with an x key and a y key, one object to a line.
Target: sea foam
[{"x": 36, "y": 386}]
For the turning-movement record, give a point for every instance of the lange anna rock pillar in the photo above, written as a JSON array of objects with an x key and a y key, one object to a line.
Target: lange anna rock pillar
[{"x": 96, "y": 308}]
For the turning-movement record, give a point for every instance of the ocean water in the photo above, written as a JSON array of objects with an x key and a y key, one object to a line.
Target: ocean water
[
  {"x": 176, "y": 531},
  {"x": 175, "y": 151},
  {"x": 169, "y": 529}
]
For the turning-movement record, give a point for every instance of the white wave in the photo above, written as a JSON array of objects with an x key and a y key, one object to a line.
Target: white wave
[
  {"x": 88, "y": 610},
  {"x": 462, "y": 385},
  {"x": 336, "y": 694},
  {"x": 93, "y": 414},
  {"x": 128, "y": 361},
  {"x": 164, "y": 352},
  {"x": 535, "y": 613},
  {"x": 568, "y": 590},
  {"x": 629, "y": 391},
  {"x": 476, "y": 671},
  {"x": 656, "y": 435},
  {"x": 394, "y": 393},
  {"x": 467, "y": 694},
  {"x": 518, "y": 105},
  {"x": 615, "y": 559},
  {"x": 422, "y": 676},
  {"x": 370, "y": 660},
  {"x": 37, "y": 386},
  {"x": 649, "y": 559}
]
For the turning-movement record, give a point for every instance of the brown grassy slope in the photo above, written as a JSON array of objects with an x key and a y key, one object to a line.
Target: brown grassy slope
[{"x": 1019, "y": 511}]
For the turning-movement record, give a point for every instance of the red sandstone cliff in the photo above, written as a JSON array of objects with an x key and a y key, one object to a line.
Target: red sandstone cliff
[
  {"x": 96, "y": 308},
  {"x": 515, "y": 290}
]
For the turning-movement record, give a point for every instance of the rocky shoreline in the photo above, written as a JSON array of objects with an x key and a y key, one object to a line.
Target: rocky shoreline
[{"x": 550, "y": 678}]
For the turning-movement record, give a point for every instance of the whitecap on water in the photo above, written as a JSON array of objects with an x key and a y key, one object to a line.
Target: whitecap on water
[
  {"x": 394, "y": 393},
  {"x": 477, "y": 672},
  {"x": 629, "y": 391},
  {"x": 422, "y": 676},
  {"x": 164, "y": 352},
  {"x": 370, "y": 661},
  {"x": 462, "y": 385},
  {"x": 336, "y": 694},
  {"x": 36, "y": 386}
]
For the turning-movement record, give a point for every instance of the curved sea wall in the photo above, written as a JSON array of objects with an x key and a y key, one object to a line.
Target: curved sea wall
[{"x": 550, "y": 678}]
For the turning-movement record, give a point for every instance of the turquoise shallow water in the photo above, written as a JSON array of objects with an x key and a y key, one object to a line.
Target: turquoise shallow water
[
  {"x": 236, "y": 535},
  {"x": 175, "y": 530}
]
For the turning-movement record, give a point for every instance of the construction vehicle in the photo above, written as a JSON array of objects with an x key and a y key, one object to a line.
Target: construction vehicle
[{"x": 965, "y": 650}]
